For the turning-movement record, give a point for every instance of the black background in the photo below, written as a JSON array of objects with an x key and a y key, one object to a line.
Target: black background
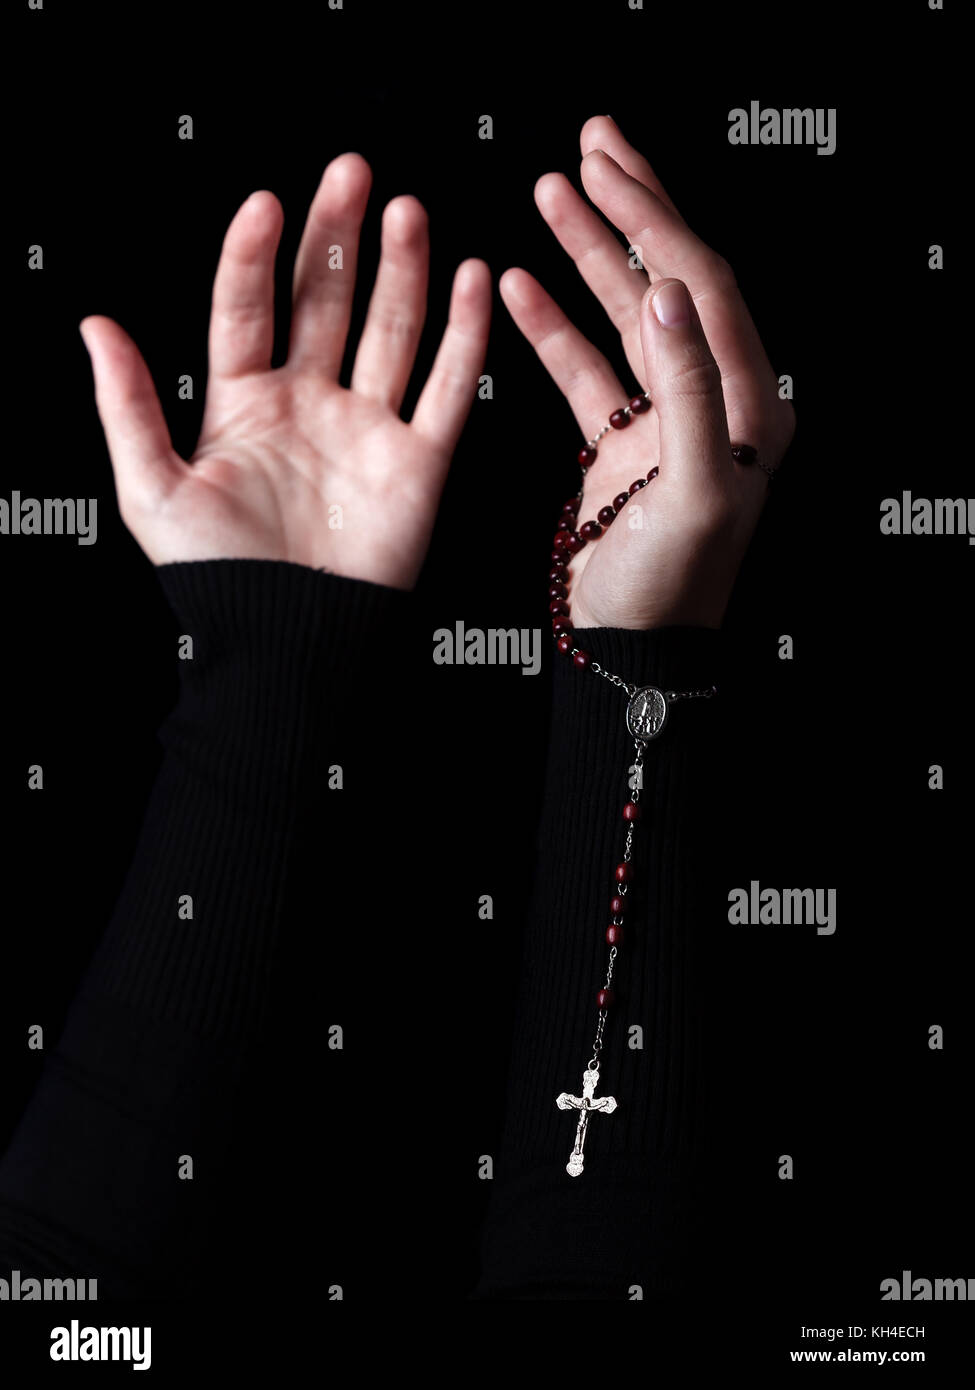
[{"x": 824, "y": 1039}]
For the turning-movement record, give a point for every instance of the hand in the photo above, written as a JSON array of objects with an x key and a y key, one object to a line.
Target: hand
[
  {"x": 280, "y": 451},
  {"x": 706, "y": 371}
]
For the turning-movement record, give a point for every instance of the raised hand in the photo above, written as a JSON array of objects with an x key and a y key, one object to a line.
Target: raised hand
[
  {"x": 691, "y": 344},
  {"x": 290, "y": 464}
]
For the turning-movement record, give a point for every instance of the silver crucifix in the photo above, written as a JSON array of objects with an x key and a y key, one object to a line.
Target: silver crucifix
[{"x": 585, "y": 1104}]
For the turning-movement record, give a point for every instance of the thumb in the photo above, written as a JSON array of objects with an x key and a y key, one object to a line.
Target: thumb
[
  {"x": 684, "y": 383},
  {"x": 144, "y": 462}
]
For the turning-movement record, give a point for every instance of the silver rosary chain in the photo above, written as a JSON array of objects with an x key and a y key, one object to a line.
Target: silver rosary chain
[
  {"x": 597, "y": 1046},
  {"x": 608, "y": 676},
  {"x": 632, "y": 689},
  {"x": 634, "y": 794},
  {"x": 691, "y": 694},
  {"x": 622, "y": 889}
]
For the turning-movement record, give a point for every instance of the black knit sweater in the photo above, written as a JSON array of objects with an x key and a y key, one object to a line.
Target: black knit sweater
[{"x": 254, "y": 868}]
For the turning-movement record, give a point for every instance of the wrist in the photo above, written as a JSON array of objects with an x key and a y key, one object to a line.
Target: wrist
[{"x": 631, "y": 599}]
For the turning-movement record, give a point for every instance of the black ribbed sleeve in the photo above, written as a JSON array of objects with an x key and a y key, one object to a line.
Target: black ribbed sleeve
[
  {"x": 153, "y": 1059},
  {"x": 625, "y": 1220},
  {"x": 179, "y": 1045}
]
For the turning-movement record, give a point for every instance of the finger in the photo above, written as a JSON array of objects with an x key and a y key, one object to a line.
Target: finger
[
  {"x": 695, "y": 449},
  {"x": 324, "y": 275},
  {"x": 666, "y": 243},
  {"x": 446, "y": 397},
  {"x": 602, "y": 133},
  {"x": 599, "y": 258},
  {"x": 241, "y": 336},
  {"x": 387, "y": 348},
  {"x": 579, "y": 370},
  {"x": 670, "y": 248},
  {"x": 144, "y": 463}
]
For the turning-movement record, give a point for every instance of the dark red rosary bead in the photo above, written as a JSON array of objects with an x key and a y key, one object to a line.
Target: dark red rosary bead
[
  {"x": 614, "y": 934},
  {"x": 624, "y": 872},
  {"x": 591, "y": 531},
  {"x": 559, "y": 608},
  {"x": 617, "y": 904},
  {"x": 573, "y": 541},
  {"x": 566, "y": 523},
  {"x": 619, "y": 419},
  {"x": 557, "y": 591},
  {"x": 620, "y": 500},
  {"x": 639, "y": 405},
  {"x": 652, "y": 474},
  {"x": 631, "y": 811},
  {"x": 560, "y": 540},
  {"x": 558, "y": 574},
  {"x": 606, "y": 515},
  {"x": 586, "y": 456},
  {"x": 557, "y": 557},
  {"x": 583, "y": 660},
  {"x": 636, "y": 486},
  {"x": 560, "y": 626},
  {"x": 564, "y": 644},
  {"x": 605, "y": 998},
  {"x": 743, "y": 453}
]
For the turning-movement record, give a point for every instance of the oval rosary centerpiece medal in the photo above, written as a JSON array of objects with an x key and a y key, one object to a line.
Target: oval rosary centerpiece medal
[{"x": 646, "y": 713}]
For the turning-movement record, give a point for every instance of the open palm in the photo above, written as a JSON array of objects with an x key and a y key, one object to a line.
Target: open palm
[{"x": 290, "y": 464}]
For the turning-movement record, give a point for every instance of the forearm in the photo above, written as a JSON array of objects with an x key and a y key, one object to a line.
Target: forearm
[
  {"x": 152, "y": 1059},
  {"x": 549, "y": 1235}
]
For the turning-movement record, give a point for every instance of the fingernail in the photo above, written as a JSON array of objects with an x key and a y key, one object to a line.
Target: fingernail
[{"x": 671, "y": 304}]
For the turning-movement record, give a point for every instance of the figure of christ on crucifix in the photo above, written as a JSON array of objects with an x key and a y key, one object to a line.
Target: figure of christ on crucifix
[{"x": 585, "y": 1104}]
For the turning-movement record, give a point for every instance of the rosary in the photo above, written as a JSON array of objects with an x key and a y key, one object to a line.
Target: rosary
[{"x": 646, "y": 715}]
